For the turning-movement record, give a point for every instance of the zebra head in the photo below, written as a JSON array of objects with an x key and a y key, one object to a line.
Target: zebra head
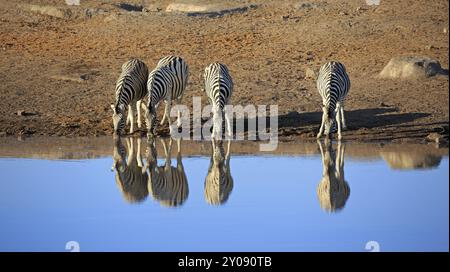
[{"x": 118, "y": 118}]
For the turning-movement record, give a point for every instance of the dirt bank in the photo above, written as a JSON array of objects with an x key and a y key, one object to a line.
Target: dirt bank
[{"x": 60, "y": 69}]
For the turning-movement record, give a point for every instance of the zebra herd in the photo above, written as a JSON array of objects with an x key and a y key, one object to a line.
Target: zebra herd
[
  {"x": 167, "y": 82},
  {"x": 167, "y": 184}
]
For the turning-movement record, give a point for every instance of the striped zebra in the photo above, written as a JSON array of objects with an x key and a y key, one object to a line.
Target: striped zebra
[
  {"x": 218, "y": 88},
  {"x": 131, "y": 176},
  {"x": 333, "y": 84},
  {"x": 167, "y": 184},
  {"x": 219, "y": 182},
  {"x": 130, "y": 90},
  {"x": 167, "y": 83},
  {"x": 333, "y": 190}
]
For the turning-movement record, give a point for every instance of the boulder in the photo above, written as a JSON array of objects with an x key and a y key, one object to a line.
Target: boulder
[{"x": 411, "y": 67}]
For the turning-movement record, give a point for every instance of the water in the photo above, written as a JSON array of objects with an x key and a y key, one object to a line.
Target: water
[{"x": 399, "y": 200}]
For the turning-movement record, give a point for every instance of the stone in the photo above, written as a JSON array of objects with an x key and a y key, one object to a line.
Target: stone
[
  {"x": 310, "y": 73},
  {"x": 434, "y": 137},
  {"x": 411, "y": 67}
]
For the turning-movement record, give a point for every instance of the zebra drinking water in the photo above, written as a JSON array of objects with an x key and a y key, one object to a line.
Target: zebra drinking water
[
  {"x": 333, "y": 84},
  {"x": 166, "y": 82},
  {"x": 218, "y": 88},
  {"x": 130, "y": 90}
]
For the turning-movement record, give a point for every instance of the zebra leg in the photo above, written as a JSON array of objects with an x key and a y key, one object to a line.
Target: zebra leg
[
  {"x": 130, "y": 145},
  {"x": 229, "y": 128},
  {"x": 344, "y": 125},
  {"x": 322, "y": 124},
  {"x": 165, "y": 113},
  {"x": 128, "y": 115},
  {"x": 138, "y": 109},
  {"x": 338, "y": 121},
  {"x": 131, "y": 114},
  {"x": 323, "y": 158},
  {"x": 179, "y": 119},
  {"x": 138, "y": 152}
]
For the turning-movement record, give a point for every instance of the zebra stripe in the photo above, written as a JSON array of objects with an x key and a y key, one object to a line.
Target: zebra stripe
[
  {"x": 218, "y": 88},
  {"x": 131, "y": 177},
  {"x": 166, "y": 82},
  {"x": 333, "y": 190},
  {"x": 168, "y": 184},
  {"x": 130, "y": 90},
  {"x": 333, "y": 85},
  {"x": 218, "y": 181}
]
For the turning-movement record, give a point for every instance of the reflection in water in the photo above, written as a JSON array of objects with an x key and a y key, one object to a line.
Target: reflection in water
[
  {"x": 411, "y": 160},
  {"x": 131, "y": 177},
  {"x": 167, "y": 184},
  {"x": 332, "y": 191},
  {"x": 218, "y": 182}
]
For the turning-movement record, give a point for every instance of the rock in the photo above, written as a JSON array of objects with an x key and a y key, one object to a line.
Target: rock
[
  {"x": 73, "y": 2},
  {"x": 73, "y": 12},
  {"x": 434, "y": 137},
  {"x": 205, "y": 8},
  {"x": 48, "y": 10},
  {"x": 310, "y": 73},
  {"x": 151, "y": 8},
  {"x": 411, "y": 67},
  {"x": 20, "y": 113},
  {"x": 306, "y": 5}
]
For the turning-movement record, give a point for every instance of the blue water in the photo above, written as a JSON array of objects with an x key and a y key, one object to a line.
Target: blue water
[{"x": 273, "y": 206}]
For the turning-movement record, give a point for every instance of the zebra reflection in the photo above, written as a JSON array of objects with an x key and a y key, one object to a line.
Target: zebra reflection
[
  {"x": 167, "y": 184},
  {"x": 131, "y": 176},
  {"x": 332, "y": 191},
  {"x": 219, "y": 182}
]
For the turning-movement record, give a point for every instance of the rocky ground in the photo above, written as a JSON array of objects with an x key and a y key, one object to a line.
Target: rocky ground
[{"x": 59, "y": 63}]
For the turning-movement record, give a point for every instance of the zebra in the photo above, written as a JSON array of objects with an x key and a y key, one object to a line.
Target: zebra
[
  {"x": 131, "y": 176},
  {"x": 166, "y": 82},
  {"x": 219, "y": 182},
  {"x": 167, "y": 184},
  {"x": 218, "y": 88},
  {"x": 130, "y": 90},
  {"x": 333, "y": 190},
  {"x": 333, "y": 84}
]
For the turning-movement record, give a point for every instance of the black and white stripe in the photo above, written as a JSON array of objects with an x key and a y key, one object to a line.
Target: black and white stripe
[
  {"x": 333, "y": 84},
  {"x": 130, "y": 90},
  {"x": 166, "y": 82},
  {"x": 131, "y": 177},
  {"x": 218, "y": 88},
  {"x": 168, "y": 184},
  {"x": 333, "y": 190},
  {"x": 219, "y": 182}
]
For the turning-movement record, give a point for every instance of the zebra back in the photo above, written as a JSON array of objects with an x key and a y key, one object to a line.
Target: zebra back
[
  {"x": 333, "y": 83},
  {"x": 218, "y": 84},
  {"x": 176, "y": 71},
  {"x": 131, "y": 84}
]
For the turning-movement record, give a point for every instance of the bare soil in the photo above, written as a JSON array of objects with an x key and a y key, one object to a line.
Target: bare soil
[{"x": 60, "y": 73}]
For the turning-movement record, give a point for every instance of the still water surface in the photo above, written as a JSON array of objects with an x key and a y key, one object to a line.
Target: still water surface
[{"x": 225, "y": 202}]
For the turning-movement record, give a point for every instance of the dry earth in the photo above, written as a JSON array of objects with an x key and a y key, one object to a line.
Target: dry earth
[{"x": 59, "y": 70}]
